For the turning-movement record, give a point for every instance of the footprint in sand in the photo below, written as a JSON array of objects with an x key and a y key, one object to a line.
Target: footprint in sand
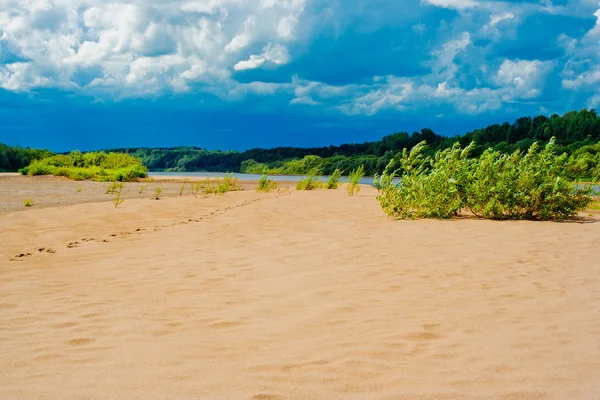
[
  {"x": 19, "y": 257},
  {"x": 73, "y": 244},
  {"x": 47, "y": 250}
]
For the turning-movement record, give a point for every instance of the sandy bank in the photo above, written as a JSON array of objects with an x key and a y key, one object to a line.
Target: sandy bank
[{"x": 297, "y": 295}]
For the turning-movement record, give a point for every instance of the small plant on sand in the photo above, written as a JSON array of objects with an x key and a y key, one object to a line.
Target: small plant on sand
[
  {"x": 145, "y": 185},
  {"x": 229, "y": 184},
  {"x": 157, "y": 192},
  {"x": 79, "y": 190},
  {"x": 110, "y": 189},
  {"x": 310, "y": 181},
  {"x": 195, "y": 188},
  {"x": 354, "y": 180},
  {"x": 208, "y": 186},
  {"x": 28, "y": 203},
  {"x": 183, "y": 185},
  {"x": 119, "y": 186},
  {"x": 265, "y": 184},
  {"x": 333, "y": 182}
]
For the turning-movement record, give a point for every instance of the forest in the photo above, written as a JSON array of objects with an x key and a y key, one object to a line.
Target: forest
[{"x": 576, "y": 132}]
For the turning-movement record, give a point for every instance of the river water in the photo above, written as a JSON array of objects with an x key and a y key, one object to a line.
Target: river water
[{"x": 367, "y": 180}]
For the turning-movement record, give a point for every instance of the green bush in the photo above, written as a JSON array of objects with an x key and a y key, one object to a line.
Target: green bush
[
  {"x": 99, "y": 166},
  {"x": 265, "y": 184},
  {"x": 310, "y": 182},
  {"x": 333, "y": 182},
  {"x": 528, "y": 185}
]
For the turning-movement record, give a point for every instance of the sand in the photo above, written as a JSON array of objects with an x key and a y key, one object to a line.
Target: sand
[{"x": 293, "y": 295}]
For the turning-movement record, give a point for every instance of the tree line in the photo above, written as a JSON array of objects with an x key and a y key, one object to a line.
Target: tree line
[{"x": 575, "y": 132}]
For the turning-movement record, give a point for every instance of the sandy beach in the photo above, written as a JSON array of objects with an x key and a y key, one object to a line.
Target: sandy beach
[{"x": 288, "y": 295}]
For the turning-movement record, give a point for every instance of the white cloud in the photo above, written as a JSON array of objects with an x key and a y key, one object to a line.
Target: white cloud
[
  {"x": 445, "y": 67},
  {"x": 524, "y": 77},
  {"x": 305, "y": 100},
  {"x": 456, "y": 4},
  {"x": 275, "y": 53},
  {"x": 497, "y": 18},
  {"x": 151, "y": 46}
]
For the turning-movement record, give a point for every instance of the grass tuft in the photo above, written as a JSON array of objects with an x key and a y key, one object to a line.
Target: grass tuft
[
  {"x": 354, "y": 180},
  {"x": 333, "y": 182},
  {"x": 265, "y": 184}
]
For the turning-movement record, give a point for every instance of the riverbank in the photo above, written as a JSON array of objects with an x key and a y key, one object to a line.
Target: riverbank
[{"x": 293, "y": 295}]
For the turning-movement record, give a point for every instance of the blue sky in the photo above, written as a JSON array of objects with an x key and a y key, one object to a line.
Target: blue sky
[{"x": 235, "y": 74}]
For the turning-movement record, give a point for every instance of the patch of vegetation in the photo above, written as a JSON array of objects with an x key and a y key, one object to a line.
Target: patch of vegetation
[
  {"x": 354, "y": 178},
  {"x": 266, "y": 185},
  {"x": 183, "y": 185},
  {"x": 116, "y": 192},
  {"x": 97, "y": 166},
  {"x": 333, "y": 182},
  {"x": 221, "y": 186},
  {"x": 523, "y": 185},
  {"x": 28, "y": 203},
  {"x": 574, "y": 131},
  {"x": 157, "y": 193},
  {"x": 79, "y": 190},
  {"x": 12, "y": 159},
  {"x": 310, "y": 182}
]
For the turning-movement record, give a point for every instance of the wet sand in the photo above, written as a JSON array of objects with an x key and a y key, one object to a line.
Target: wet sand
[{"x": 293, "y": 295}]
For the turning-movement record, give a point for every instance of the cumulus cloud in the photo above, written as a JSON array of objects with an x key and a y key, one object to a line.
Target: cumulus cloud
[
  {"x": 150, "y": 46},
  {"x": 134, "y": 48},
  {"x": 275, "y": 53}
]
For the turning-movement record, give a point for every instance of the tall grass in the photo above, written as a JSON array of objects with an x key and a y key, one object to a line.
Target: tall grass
[
  {"x": 529, "y": 185},
  {"x": 310, "y": 182},
  {"x": 221, "y": 186},
  {"x": 99, "y": 166},
  {"x": 333, "y": 182},
  {"x": 354, "y": 178},
  {"x": 116, "y": 192},
  {"x": 266, "y": 185}
]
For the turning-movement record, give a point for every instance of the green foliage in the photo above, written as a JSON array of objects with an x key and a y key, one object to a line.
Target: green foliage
[
  {"x": 98, "y": 166},
  {"x": 28, "y": 203},
  {"x": 310, "y": 182},
  {"x": 195, "y": 188},
  {"x": 112, "y": 187},
  {"x": 266, "y": 185},
  {"x": 528, "y": 185},
  {"x": 252, "y": 167},
  {"x": 13, "y": 159},
  {"x": 354, "y": 178},
  {"x": 157, "y": 193},
  {"x": 79, "y": 190},
  {"x": 333, "y": 182},
  {"x": 227, "y": 184}
]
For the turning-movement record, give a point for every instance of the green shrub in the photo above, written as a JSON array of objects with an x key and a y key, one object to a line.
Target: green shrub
[
  {"x": 310, "y": 182},
  {"x": 98, "y": 166},
  {"x": 28, "y": 203},
  {"x": 265, "y": 184},
  {"x": 157, "y": 192},
  {"x": 333, "y": 182},
  {"x": 495, "y": 186},
  {"x": 354, "y": 180}
]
